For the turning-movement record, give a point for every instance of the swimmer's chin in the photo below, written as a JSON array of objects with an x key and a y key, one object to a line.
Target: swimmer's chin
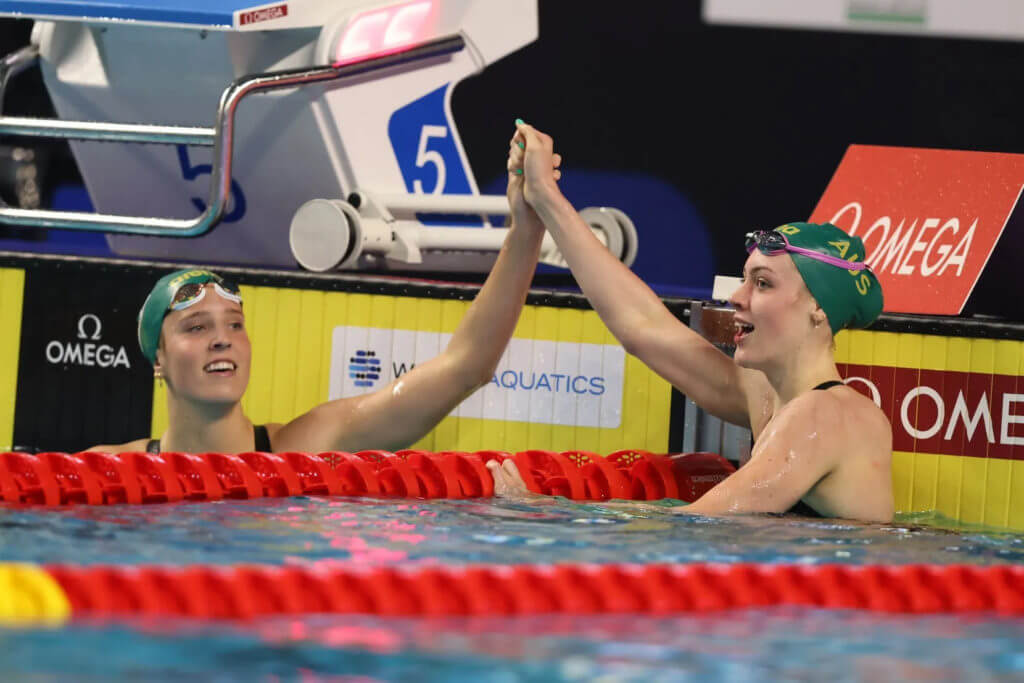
[{"x": 744, "y": 361}]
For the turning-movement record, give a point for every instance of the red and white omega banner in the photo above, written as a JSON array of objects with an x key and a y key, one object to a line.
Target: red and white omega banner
[
  {"x": 946, "y": 412},
  {"x": 929, "y": 218}
]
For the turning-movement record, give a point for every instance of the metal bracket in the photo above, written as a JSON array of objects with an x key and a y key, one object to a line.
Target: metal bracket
[
  {"x": 220, "y": 137},
  {"x": 326, "y": 234}
]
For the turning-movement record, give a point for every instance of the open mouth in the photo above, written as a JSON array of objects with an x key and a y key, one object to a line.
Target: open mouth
[
  {"x": 743, "y": 330},
  {"x": 220, "y": 367}
]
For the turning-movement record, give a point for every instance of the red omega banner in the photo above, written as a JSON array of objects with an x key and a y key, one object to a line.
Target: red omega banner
[
  {"x": 946, "y": 412},
  {"x": 929, "y": 218}
]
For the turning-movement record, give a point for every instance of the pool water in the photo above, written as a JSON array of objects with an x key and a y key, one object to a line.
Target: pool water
[
  {"x": 755, "y": 645},
  {"x": 778, "y": 644},
  {"x": 386, "y": 532}
]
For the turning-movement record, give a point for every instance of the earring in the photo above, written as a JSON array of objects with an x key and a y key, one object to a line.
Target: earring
[{"x": 158, "y": 375}]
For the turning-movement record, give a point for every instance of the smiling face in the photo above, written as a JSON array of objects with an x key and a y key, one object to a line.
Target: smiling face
[
  {"x": 775, "y": 312},
  {"x": 204, "y": 351}
]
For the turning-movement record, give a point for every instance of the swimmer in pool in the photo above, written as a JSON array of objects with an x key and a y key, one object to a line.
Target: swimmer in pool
[
  {"x": 820, "y": 447},
  {"x": 192, "y": 329}
]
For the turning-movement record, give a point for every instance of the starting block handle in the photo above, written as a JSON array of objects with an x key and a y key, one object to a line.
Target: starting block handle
[
  {"x": 14, "y": 63},
  {"x": 221, "y": 138},
  {"x": 107, "y": 132}
]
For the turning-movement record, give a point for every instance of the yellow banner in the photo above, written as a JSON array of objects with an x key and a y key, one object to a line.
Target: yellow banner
[
  {"x": 291, "y": 334},
  {"x": 956, "y": 406},
  {"x": 12, "y": 289}
]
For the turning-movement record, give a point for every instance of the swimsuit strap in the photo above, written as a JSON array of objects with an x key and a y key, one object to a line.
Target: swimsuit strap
[
  {"x": 828, "y": 385},
  {"x": 260, "y": 437},
  {"x": 803, "y": 509}
]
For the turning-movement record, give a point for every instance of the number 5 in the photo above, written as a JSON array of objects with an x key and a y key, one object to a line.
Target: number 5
[{"x": 425, "y": 156}]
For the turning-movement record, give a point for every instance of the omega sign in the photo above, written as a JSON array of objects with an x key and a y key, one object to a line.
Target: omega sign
[
  {"x": 946, "y": 412},
  {"x": 929, "y": 218},
  {"x": 87, "y": 350},
  {"x": 892, "y": 246},
  {"x": 263, "y": 14}
]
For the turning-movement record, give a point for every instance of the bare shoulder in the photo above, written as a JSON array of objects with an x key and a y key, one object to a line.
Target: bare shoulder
[
  {"x": 857, "y": 442},
  {"x": 136, "y": 446},
  {"x": 843, "y": 422},
  {"x": 319, "y": 429},
  {"x": 842, "y": 401},
  {"x": 861, "y": 413},
  {"x": 838, "y": 414}
]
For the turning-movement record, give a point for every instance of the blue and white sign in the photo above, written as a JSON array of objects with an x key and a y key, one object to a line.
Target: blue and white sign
[
  {"x": 425, "y": 147},
  {"x": 540, "y": 381}
]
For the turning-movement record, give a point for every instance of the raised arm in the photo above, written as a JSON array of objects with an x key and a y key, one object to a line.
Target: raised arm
[
  {"x": 633, "y": 313},
  {"x": 404, "y": 411}
]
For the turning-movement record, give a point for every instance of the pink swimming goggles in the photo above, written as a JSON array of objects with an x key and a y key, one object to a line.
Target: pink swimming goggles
[{"x": 773, "y": 242}]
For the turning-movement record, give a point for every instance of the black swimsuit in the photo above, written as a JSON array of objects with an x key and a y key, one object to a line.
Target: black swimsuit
[
  {"x": 801, "y": 508},
  {"x": 259, "y": 434}
]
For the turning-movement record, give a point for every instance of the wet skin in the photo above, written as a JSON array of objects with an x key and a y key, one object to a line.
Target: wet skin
[
  {"x": 204, "y": 356},
  {"x": 832, "y": 449},
  {"x": 205, "y": 352}
]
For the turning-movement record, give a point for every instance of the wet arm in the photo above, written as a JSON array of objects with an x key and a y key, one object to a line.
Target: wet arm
[
  {"x": 630, "y": 309},
  {"x": 404, "y": 411},
  {"x": 791, "y": 456}
]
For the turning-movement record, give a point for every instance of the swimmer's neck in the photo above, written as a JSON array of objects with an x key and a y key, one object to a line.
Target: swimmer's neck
[
  {"x": 801, "y": 371},
  {"x": 205, "y": 428}
]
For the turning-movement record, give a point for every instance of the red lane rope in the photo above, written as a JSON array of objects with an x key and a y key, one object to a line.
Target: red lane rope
[
  {"x": 244, "y": 592},
  {"x": 94, "y": 478}
]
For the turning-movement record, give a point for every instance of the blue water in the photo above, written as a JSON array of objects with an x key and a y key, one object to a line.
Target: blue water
[
  {"x": 378, "y": 532},
  {"x": 780, "y": 644},
  {"x": 800, "y": 645}
]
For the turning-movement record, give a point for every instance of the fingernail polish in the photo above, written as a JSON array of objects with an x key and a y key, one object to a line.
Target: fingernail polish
[
  {"x": 519, "y": 171},
  {"x": 521, "y": 145},
  {"x": 519, "y": 122}
]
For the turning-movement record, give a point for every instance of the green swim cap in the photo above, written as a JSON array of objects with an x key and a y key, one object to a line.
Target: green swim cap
[
  {"x": 158, "y": 303},
  {"x": 850, "y": 298}
]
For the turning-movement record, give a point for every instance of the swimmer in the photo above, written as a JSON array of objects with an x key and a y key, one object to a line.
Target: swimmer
[
  {"x": 820, "y": 447},
  {"x": 192, "y": 329}
]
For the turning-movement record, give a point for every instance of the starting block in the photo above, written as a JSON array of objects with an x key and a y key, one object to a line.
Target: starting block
[{"x": 350, "y": 142}]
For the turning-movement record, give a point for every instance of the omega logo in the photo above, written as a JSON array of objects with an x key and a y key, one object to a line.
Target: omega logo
[
  {"x": 88, "y": 354},
  {"x": 97, "y": 329}
]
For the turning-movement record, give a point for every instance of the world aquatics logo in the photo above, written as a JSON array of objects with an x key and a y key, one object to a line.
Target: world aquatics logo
[
  {"x": 364, "y": 368},
  {"x": 537, "y": 380}
]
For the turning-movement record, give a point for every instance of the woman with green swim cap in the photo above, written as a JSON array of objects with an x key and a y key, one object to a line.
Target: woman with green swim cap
[
  {"x": 192, "y": 328},
  {"x": 820, "y": 447}
]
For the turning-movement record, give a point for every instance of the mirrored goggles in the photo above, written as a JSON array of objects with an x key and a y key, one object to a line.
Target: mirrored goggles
[
  {"x": 192, "y": 293},
  {"x": 773, "y": 242}
]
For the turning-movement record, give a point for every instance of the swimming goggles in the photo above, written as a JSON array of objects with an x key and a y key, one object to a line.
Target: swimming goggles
[
  {"x": 773, "y": 242},
  {"x": 192, "y": 293}
]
